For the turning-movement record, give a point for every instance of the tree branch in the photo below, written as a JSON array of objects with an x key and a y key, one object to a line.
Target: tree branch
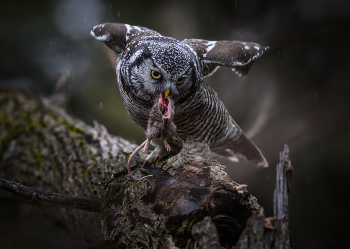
[{"x": 47, "y": 196}]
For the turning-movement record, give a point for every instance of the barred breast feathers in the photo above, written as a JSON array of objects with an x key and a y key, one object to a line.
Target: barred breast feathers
[{"x": 203, "y": 117}]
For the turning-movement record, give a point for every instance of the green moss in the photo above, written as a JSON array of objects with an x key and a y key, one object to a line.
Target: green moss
[
  {"x": 31, "y": 144},
  {"x": 88, "y": 171},
  {"x": 209, "y": 162},
  {"x": 73, "y": 129},
  {"x": 37, "y": 157},
  {"x": 27, "y": 116},
  {"x": 3, "y": 116},
  {"x": 108, "y": 217},
  {"x": 115, "y": 196},
  {"x": 62, "y": 120},
  {"x": 5, "y": 139},
  {"x": 75, "y": 171},
  {"x": 57, "y": 164}
]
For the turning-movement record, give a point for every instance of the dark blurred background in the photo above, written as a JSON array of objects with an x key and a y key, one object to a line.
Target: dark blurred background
[{"x": 297, "y": 93}]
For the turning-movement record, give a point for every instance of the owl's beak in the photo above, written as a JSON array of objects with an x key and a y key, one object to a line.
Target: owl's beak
[{"x": 166, "y": 93}]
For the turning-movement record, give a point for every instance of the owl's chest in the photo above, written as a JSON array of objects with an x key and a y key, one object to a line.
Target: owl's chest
[
  {"x": 202, "y": 118},
  {"x": 137, "y": 110}
]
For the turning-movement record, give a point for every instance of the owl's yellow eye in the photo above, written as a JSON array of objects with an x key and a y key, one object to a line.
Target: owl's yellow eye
[
  {"x": 180, "y": 80},
  {"x": 155, "y": 74}
]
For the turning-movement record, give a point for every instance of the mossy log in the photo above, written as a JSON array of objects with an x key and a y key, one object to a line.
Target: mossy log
[{"x": 43, "y": 147}]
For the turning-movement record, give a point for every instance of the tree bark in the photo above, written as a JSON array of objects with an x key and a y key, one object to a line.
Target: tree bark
[
  {"x": 43, "y": 147},
  {"x": 272, "y": 232}
]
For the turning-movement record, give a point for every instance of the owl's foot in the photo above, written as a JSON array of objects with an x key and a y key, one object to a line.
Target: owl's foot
[
  {"x": 149, "y": 163},
  {"x": 191, "y": 152},
  {"x": 165, "y": 162},
  {"x": 156, "y": 155}
]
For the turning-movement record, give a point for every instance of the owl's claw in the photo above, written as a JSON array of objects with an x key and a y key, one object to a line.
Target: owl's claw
[
  {"x": 157, "y": 155},
  {"x": 171, "y": 168},
  {"x": 150, "y": 161},
  {"x": 163, "y": 163},
  {"x": 167, "y": 168},
  {"x": 154, "y": 163},
  {"x": 176, "y": 161},
  {"x": 147, "y": 162}
]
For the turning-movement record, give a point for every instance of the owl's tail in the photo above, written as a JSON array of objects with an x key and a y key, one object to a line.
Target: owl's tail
[{"x": 241, "y": 147}]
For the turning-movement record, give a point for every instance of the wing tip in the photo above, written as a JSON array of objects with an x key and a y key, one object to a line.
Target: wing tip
[
  {"x": 263, "y": 163},
  {"x": 246, "y": 149}
]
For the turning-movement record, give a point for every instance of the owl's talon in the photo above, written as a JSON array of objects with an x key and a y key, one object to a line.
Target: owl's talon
[
  {"x": 147, "y": 162},
  {"x": 167, "y": 168},
  {"x": 144, "y": 164},
  {"x": 163, "y": 163},
  {"x": 176, "y": 161},
  {"x": 154, "y": 164}
]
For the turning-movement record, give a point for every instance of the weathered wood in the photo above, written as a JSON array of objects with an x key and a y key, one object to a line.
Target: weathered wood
[
  {"x": 43, "y": 147},
  {"x": 253, "y": 234},
  {"x": 205, "y": 234},
  {"x": 280, "y": 199},
  {"x": 272, "y": 232}
]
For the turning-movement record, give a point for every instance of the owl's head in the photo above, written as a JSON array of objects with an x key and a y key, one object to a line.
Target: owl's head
[
  {"x": 157, "y": 65},
  {"x": 149, "y": 63}
]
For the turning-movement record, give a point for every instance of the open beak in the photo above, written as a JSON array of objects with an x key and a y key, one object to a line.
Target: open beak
[{"x": 164, "y": 104}]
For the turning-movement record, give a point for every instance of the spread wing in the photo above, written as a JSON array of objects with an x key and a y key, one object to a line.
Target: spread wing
[
  {"x": 236, "y": 143},
  {"x": 237, "y": 55}
]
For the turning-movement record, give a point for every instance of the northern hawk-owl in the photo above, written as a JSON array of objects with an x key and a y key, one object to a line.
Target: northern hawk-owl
[{"x": 151, "y": 65}]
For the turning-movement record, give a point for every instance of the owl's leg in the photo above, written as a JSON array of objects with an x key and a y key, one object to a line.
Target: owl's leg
[
  {"x": 191, "y": 152},
  {"x": 161, "y": 151}
]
